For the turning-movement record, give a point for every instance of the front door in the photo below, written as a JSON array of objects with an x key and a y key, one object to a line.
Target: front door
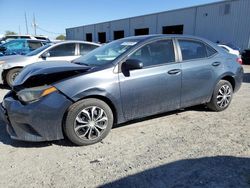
[
  {"x": 63, "y": 52},
  {"x": 156, "y": 87}
]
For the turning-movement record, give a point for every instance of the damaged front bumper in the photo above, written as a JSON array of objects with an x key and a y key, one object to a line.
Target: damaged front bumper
[
  {"x": 1, "y": 74},
  {"x": 38, "y": 121}
]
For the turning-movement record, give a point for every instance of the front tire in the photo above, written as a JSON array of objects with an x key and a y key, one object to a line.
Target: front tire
[
  {"x": 11, "y": 76},
  {"x": 222, "y": 96},
  {"x": 88, "y": 121}
]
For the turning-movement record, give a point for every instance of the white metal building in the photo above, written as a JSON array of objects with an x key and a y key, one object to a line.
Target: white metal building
[{"x": 225, "y": 21}]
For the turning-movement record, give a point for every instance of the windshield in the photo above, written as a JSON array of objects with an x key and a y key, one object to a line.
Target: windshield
[
  {"x": 38, "y": 50},
  {"x": 106, "y": 53}
]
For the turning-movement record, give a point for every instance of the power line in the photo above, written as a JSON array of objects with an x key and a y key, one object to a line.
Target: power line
[
  {"x": 34, "y": 24},
  {"x": 44, "y": 30}
]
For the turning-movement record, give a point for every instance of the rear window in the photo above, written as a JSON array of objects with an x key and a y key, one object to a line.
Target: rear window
[
  {"x": 24, "y": 37},
  {"x": 41, "y": 38}
]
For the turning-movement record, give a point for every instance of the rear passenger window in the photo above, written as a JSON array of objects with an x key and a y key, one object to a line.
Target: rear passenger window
[
  {"x": 155, "y": 53},
  {"x": 192, "y": 49},
  {"x": 86, "y": 48}
]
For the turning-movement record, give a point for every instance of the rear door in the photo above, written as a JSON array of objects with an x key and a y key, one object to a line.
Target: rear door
[
  {"x": 62, "y": 52},
  {"x": 198, "y": 71},
  {"x": 156, "y": 87}
]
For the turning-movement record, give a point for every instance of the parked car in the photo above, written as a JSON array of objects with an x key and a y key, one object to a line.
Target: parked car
[
  {"x": 246, "y": 57},
  {"x": 233, "y": 46},
  {"x": 126, "y": 79},
  {"x": 8, "y": 38},
  {"x": 230, "y": 50},
  {"x": 65, "y": 51},
  {"x": 20, "y": 46}
]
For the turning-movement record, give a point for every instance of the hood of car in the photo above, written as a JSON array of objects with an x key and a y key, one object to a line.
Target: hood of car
[
  {"x": 13, "y": 58},
  {"x": 41, "y": 73}
]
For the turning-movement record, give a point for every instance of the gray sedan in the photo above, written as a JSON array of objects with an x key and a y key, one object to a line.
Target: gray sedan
[
  {"x": 124, "y": 80},
  {"x": 10, "y": 66}
]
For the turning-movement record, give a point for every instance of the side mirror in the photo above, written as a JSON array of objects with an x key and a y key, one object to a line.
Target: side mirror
[
  {"x": 132, "y": 64},
  {"x": 2, "y": 48},
  {"x": 45, "y": 55}
]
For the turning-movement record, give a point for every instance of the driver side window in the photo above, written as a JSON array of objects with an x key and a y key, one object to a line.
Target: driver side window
[
  {"x": 63, "y": 50},
  {"x": 155, "y": 53}
]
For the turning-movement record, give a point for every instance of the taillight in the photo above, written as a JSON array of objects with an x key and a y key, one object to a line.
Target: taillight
[{"x": 239, "y": 60}]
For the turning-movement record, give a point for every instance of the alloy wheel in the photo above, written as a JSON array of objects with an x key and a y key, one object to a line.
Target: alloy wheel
[
  {"x": 90, "y": 123},
  {"x": 224, "y": 96},
  {"x": 13, "y": 76}
]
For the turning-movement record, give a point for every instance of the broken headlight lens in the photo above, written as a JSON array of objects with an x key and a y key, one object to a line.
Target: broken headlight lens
[
  {"x": 2, "y": 63},
  {"x": 35, "y": 93}
]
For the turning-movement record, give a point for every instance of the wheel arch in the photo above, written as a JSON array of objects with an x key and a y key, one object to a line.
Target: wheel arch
[
  {"x": 229, "y": 78},
  {"x": 107, "y": 101},
  {"x": 5, "y": 71}
]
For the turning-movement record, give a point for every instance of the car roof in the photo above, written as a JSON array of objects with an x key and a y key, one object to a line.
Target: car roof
[
  {"x": 146, "y": 37},
  {"x": 26, "y": 36},
  {"x": 76, "y": 41},
  {"x": 35, "y": 40},
  {"x": 18, "y": 35}
]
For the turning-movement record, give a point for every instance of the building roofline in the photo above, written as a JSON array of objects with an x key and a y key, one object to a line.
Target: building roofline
[{"x": 151, "y": 14}]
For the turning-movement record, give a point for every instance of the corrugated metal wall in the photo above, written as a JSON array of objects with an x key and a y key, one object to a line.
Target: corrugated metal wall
[
  {"x": 227, "y": 21},
  {"x": 214, "y": 23}
]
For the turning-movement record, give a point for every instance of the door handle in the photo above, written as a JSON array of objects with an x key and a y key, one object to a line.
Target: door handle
[
  {"x": 174, "y": 71},
  {"x": 215, "y": 64}
]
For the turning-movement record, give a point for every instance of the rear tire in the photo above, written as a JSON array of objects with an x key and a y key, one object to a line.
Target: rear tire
[
  {"x": 88, "y": 121},
  {"x": 11, "y": 75},
  {"x": 222, "y": 96}
]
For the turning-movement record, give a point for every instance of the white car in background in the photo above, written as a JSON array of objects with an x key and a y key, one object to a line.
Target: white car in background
[
  {"x": 8, "y": 38},
  {"x": 10, "y": 66},
  {"x": 230, "y": 50}
]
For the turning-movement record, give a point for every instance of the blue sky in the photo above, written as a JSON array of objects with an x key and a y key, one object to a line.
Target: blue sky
[{"x": 56, "y": 15}]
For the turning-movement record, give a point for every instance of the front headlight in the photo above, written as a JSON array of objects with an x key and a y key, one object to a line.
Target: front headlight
[
  {"x": 35, "y": 93},
  {"x": 5, "y": 66}
]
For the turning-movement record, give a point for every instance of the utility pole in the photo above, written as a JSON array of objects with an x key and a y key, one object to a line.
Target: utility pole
[
  {"x": 34, "y": 23},
  {"x": 27, "y": 31},
  {"x": 19, "y": 28}
]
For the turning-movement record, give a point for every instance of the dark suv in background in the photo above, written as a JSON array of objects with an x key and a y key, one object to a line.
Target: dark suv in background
[
  {"x": 246, "y": 57},
  {"x": 126, "y": 79}
]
